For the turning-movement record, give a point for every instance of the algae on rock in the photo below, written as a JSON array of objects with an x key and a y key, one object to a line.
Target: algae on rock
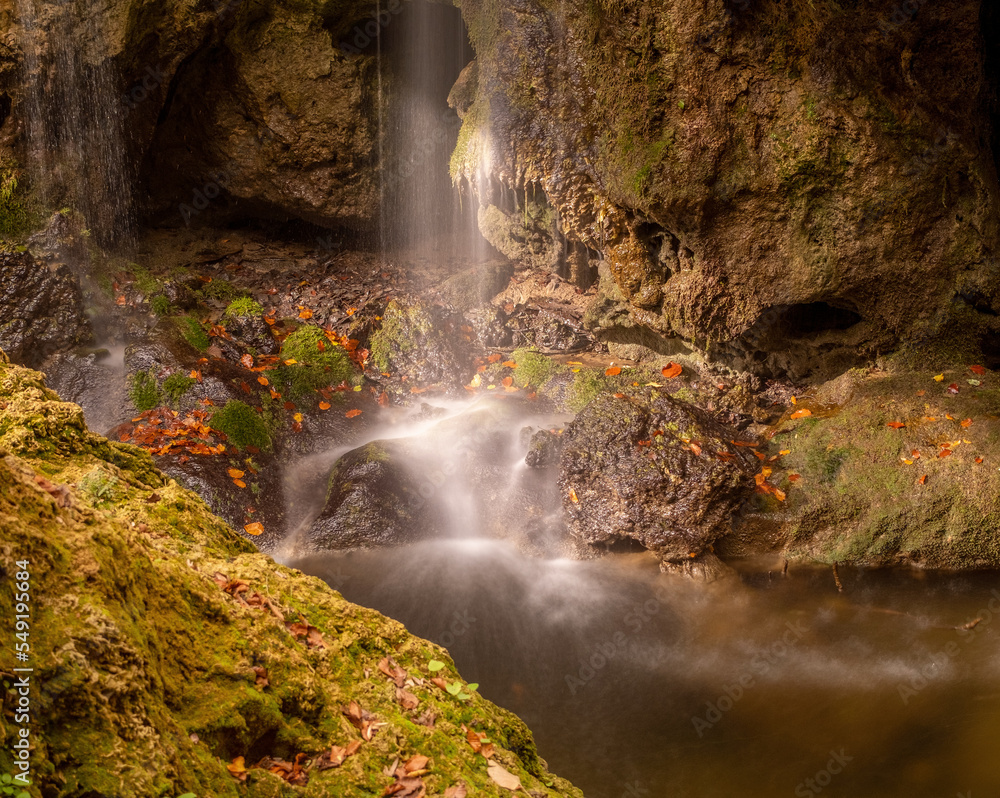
[{"x": 144, "y": 679}]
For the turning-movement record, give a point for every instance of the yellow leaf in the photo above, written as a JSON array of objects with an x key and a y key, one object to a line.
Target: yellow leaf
[
  {"x": 291, "y": 361},
  {"x": 477, "y": 381},
  {"x": 235, "y": 473},
  {"x": 783, "y": 452},
  {"x": 573, "y": 497},
  {"x": 939, "y": 378},
  {"x": 298, "y": 417}
]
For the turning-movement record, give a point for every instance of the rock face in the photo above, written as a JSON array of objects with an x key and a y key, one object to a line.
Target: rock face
[
  {"x": 41, "y": 309},
  {"x": 225, "y": 103},
  {"x": 372, "y": 500},
  {"x": 771, "y": 181},
  {"x": 665, "y": 475},
  {"x": 164, "y": 646}
]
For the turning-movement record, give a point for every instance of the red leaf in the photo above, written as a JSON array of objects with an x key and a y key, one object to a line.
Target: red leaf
[
  {"x": 672, "y": 370},
  {"x": 353, "y": 413},
  {"x": 977, "y": 370},
  {"x": 896, "y": 424},
  {"x": 614, "y": 371}
]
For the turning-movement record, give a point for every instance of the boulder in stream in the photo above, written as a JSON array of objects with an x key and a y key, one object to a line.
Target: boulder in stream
[{"x": 663, "y": 473}]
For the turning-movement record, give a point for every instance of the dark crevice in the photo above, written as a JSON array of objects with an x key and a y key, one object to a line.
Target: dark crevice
[
  {"x": 990, "y": 26},
  {"x": 5, "y": 105}
]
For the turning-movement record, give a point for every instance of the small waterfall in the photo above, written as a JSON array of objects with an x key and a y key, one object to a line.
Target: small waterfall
[{"x": 75, "y": 119}]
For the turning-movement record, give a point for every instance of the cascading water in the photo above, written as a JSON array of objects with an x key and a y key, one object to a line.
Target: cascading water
[{"x": 75, "y": 120}]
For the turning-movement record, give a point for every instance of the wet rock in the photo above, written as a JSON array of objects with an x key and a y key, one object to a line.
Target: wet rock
[
  {"x": 463, "y": 93},
  {"x": 94, "y": 380},
  {"x": 41, "y": 309},
  {"x": 372, "y": 500},
  {"x": 792, "y": 216},
  {"x": 548, "y": 326},
  {"x": 252, "y": 332},
  {"x": 426, "y": 345},
  {"x": 544, "y": 449},
  {"x": 664, "y": 474},
  {"x": 477, "y": 285}
]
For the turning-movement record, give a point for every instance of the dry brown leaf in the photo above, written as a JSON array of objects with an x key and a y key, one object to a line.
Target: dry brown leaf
[
  {"x": 406, "y": 699},
  {"x": 457, "y": 791},
  {"x": 503, "y": 777}
]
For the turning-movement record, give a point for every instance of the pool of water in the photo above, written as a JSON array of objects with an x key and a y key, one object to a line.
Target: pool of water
[{"x": 640, "y": 684}]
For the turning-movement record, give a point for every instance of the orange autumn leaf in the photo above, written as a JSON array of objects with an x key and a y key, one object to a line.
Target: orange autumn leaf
[
  {"x": 896, "y": 424},
  {"x": 507, "y": 382},
  {"x": 239, "y": 483},
  {"x": 509, "y": 364},
  {"x": 270, "y": 320},
  {"x": 263, "y": 380},
  {"x": 979, "y": 460},
  {"x": 696, "y": 449},
  {"x": 235, "y": 473},
  {"x": 305, "y": 313},
  {"x": 944, "y": 453},
  {"x": 573, "y": 497},
  {"x": 247, "y": 361},
  {"x": 494, "y": 358},
  {"x": 324, "y": 405},
  {"x": 922, "y": 480},
  {"x": 803, "y": 413},
  {"x": 353, "y": 413},
  {"x": 614, "y": 371},
  {"x": 672, "y": 370},
  {"x": 256, "y": 528},
  {"x": 794, "y": 477},
  {"x": 977, "y": 370},
  {"x": 275, "y": 394},
  {"x": 967, "y": 422}
]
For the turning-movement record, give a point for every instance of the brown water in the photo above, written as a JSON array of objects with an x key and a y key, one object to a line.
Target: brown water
[{"x": 638, "y": 684}]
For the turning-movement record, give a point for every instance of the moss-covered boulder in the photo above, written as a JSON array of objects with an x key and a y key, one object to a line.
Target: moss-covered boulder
[
  {"x": 168, "y": 655},
  {"x": 659, "y": 472},
  {"x": 884, "y": 467}
]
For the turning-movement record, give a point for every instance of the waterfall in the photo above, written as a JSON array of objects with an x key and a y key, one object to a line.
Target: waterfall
[{"x": 74, "y": 116}]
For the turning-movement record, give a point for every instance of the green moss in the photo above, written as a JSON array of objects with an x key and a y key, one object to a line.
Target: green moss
[
  {"x": 242, "y": 425},
  {"x": 17, "y": 217},
  {"x": 222, "y": 290},
  {"x": 588, "y": 384},
  {"x": 533, "y": 368},
  {"x": 401, "y": 323},
  {"x": 143, "y": 390},
  {"x": 318, "y": 362},
  {"x": 176, "y": 386},
  {"x": 244, "y": 306},
  {"x": 100, "y": 486},
  {"x": 160, "y": 305},
  {"x": 192, "y": 331}
]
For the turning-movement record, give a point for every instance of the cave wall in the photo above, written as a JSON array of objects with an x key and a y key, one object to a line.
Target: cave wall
[
  {"x": 268, "y": 105},
  {"x": 741, "y": 164}
]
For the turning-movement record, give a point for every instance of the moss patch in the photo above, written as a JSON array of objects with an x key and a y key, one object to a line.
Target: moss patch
[
  {"x": 143, "y": 391},
  {"x": 242, "y": 425},
  {"x": 148, "y": 662}
]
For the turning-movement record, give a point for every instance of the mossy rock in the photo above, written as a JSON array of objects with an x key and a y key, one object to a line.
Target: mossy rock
[
  {"x": 860, "y": 491},
  {"x": 318, "y": 362},
  {"x": 144, "y": 681},
  {"x": 242, "y": 425}
]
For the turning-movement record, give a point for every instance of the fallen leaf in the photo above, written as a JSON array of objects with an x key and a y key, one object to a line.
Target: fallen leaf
[
  {"x": 324, "y": 405},
  {"x": 966, "y": 422},
  {"x": 783, "y": 452},
  {"x": 695, "y": 448},
  {"x": 944, "y": 453},
  {"x": 247, "y": 361},
  {"x": 237, "y": 769},
  {"x": 921, "y": 393},
  {"x": 672, "y": 370},
  {"x": 896, "y": 424},
  {"x": 297, "y": 417},
  {"x": 614, "y": 371},
  {"x": 494, "y": 358},
  {"x": 235, "y": 473},
  {"x": 803, "y": 413},
  {"x": 794, "y": 477},
  {"x": 509, "y": 364},
  {"x": 977, "y": 370},
  {"x": 507, "y": 382},
  {"x": 922, "y": 480},
  {"x": 389, "y": 667},
  {"x": 416, "y": 763},
  {"x": 974, "y": 383},
  {"x": 502, "y": 777},
  {"x": 979, "y": 460},
  {"x": 305, "y": 313},
  {"x": 457, "y": 791},
  {"x": 353, "y": 413},
  {"x": 260, "y": 676},
  {"x": 239, "y": 483},
  {"x": 406, "y": 699},
  {"x": 953, "y": 388},
  {"x": 573, "y": 497},
  {"x": 256, "y": 528},
  {"x": 335, "y": 757},
  {"x": 939, "y": 378}
]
